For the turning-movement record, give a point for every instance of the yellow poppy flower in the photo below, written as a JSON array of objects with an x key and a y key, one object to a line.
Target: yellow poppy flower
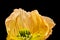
[{"x": 22, "y": 25}]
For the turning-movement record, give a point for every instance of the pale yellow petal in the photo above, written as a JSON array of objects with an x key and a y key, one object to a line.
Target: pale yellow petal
[{"x": 50, "y": 23}]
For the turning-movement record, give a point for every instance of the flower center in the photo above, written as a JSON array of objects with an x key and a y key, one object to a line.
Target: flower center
[{"x": 25, "y": 34}]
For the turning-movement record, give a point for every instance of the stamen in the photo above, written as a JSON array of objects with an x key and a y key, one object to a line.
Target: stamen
[{"x": 25, "y": 34}]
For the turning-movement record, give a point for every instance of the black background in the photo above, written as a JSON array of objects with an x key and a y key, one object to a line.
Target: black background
[{"x": 47, "y": 8}]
